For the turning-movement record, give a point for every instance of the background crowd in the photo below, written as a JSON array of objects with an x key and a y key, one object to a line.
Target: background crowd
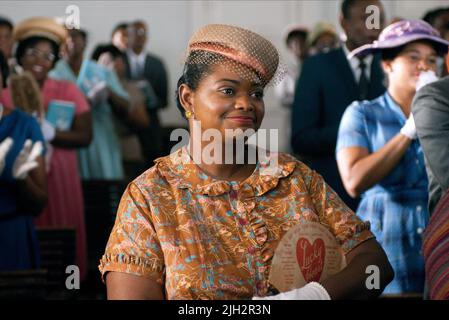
[{"x": 349, "y": 118}]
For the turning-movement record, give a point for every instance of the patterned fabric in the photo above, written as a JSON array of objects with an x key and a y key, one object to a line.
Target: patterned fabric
[
  {"x": 203, "y": 238},
  {"x": 397, "y": 205},
  {"x": 102, "y": 159},
  {"x": 435, "y": 251}
]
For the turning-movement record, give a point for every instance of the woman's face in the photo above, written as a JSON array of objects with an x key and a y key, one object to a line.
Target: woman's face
[
  {"x": 326, "y": 42},
  {"x": 120, "y": 39},
  {"x": 224, "y": 100},
  {"x": 74, "y": 44},
  {"x": 404, "y": 70},
  {"x": 38, "y": 60}
]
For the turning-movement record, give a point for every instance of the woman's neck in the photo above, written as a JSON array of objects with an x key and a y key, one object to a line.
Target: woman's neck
[
  {"x": 41, "y": 82},
  {"x": 223, "y": 171},
  {"x": 75, "y": 64},
  {"x": 403, "y": 98}
]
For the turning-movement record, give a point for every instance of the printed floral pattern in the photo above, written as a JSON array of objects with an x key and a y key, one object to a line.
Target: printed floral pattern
[{"x": 203, "y": 238}]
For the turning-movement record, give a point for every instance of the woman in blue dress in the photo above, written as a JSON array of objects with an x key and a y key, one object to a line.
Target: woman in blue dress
[
  {"x": 102, "y": 159},
  {"x": 23, "y": 186},
  {"x": 379, "y": 155}
]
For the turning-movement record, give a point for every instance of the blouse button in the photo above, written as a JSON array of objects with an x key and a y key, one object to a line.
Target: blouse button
[
  {"x": 419, "y": 208},
  {"x": 419, "y": 230}
]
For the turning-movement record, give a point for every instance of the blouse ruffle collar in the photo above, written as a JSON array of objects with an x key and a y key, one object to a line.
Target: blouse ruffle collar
[{"x": 181, "y": 172}]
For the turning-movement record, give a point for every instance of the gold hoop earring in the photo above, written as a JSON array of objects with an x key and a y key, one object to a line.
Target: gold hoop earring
[{"x": 189, "y": 114}]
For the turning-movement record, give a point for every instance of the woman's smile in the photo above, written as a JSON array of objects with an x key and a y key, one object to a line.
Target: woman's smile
[{"x": 240, "y": 119}]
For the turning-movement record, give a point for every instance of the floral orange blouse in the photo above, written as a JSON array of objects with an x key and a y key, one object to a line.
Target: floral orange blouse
[{"x": 203, "y": 238}]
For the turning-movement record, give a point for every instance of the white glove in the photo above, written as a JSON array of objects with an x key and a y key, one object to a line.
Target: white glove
[
  {"x": 311, "y": 291},
  {"x": 426, "y": 77},
  {"x": 409, "y": 128},
  {"x": 48, "y": 130},
  {"x": 26, "y": 160},
  {"x": 5, "y": 146},
  {"x": 98, "y": 94}
]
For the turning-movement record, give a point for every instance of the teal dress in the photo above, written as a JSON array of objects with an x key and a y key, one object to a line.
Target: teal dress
[{"x": 102, "y": 159}]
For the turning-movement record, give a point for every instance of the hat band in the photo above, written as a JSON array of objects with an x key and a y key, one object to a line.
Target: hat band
[
  {"x": 234, "y": 55},
  {"x": 40, "y": 33}
]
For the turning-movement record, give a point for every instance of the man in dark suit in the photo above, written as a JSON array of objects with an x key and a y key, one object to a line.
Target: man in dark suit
[
  {"x": 329, "y": 83},
  {"x": 431, "y": 113},
  {"x": 151, "y": 76}
]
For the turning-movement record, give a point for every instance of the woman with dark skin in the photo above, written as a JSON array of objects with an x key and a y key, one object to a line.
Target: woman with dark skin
[
  {"x": 224, "y": 95},
  {"x": 37, "y": 51},
  {"x": 74, "y": 55},
  {"x": 39, "y": 58},
  {"x": 23, "y": 184},
  {"x": 102, "y": 160}
]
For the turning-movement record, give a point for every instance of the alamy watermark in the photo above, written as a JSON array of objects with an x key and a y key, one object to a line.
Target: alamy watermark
[
  {"x": 71, "y": 18},
  {"x": 210, "y": 146},
  {"x": 372, "y": 282},
  {"x": 72, "y": 282},
  {"x": 373, "y": 21}
]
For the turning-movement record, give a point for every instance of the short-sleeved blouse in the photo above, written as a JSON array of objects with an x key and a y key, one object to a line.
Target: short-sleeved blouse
[{"x": 203, "y": 238}]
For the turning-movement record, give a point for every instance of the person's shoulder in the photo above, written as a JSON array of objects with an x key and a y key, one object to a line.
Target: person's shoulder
[
  {"x": 286, "y": 160},
  {"x": 23, "y": 116},
  {"x": 156, "y": 175},
  {"x": 58, "y": 69},
  {"x": 154, "y": 59},
  {"x": 367, "y": 105},
  {"x": 319, "y": 64},
  {"x": 26, "y": 121},
  {"x": 300, "y": 169}
]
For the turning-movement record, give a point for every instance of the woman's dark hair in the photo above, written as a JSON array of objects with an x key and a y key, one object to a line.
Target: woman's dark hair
[
  {"x": 4, "y": 69},
  {"x": 107, "y": 48},
  {"x": 391, "y": 54},
  {"x": 23, "y": 45},
  {"x": 345, "y": 8},
  {"x": 120, "y": 26},
  {"x": 296, "y": 34},
  {"x": 83, "y": 33},
  {"x": 432, "y": 15},
  {"x": 195, "y": 69},
  {"x": 5, "y": 22}
]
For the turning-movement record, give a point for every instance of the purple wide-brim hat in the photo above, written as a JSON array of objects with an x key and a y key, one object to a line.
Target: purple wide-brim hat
[{"x": 401, "y": 33}]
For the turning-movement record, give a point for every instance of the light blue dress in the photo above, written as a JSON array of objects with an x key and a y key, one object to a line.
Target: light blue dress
[
  {"x": 102, "y": 159},
  {"x": 397, "y": 205}
]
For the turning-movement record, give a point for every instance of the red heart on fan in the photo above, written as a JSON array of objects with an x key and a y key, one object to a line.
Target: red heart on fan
[{"x": 310, "y": 258}]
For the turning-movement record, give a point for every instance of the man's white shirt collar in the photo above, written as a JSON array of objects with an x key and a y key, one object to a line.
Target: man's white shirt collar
[{"x": 354, "y": 63}]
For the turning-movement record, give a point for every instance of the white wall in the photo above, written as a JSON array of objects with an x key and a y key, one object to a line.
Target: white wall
[{"x": 172, "y": 22}]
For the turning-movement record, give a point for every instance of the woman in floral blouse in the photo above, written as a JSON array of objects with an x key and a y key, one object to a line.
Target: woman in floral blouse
[{"x": 189, "y": 229}]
